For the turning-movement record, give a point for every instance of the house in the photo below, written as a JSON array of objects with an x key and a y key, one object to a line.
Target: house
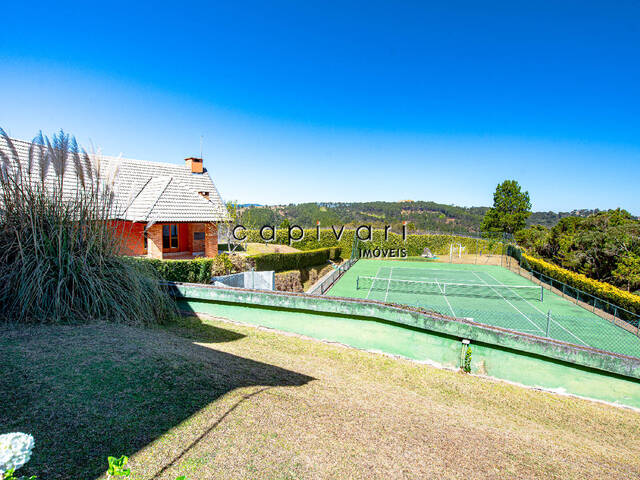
[
  {"x": 168, "y": 211},
  {"x": 162, "y": 210}
]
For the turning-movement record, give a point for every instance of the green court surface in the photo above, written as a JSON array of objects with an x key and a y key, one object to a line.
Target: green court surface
[{"x": 487, "y": 294}]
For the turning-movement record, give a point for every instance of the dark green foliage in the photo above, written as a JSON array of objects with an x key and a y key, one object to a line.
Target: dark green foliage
[
  {"x": 425, "y": 216},
  {"x": 59, "y": 257},
  {"x": 198, "y": 270},
  {"x": 550, "y": 219},
  {"x": 627, "y": 272},
  {"x": 422, "y": 216},
  {"x": 604, "y": 246},
  {"x": 281, "y": 262},
  {"x": 533, "y": 238},
  {"x": 415, "y": 244},
  {"x": 511, "y": 208},
  {"x": 256, "y": 217}
]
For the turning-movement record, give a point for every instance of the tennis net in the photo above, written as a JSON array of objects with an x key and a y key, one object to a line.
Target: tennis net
[{"x": 512, "y": 292}]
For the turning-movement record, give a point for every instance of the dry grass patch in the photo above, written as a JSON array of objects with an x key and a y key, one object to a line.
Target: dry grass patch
[
  {"x": 215, "y": 400},
  {"x": 256, "y": 248}
]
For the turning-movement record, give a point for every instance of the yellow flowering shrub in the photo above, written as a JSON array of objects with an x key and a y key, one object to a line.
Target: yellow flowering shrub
[{"x": 603, "y": 290}]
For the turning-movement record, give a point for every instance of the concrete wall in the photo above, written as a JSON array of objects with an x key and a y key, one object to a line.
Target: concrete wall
[
  {"x": 254, "y": 280},
  {"x": 416, "y": 335}
]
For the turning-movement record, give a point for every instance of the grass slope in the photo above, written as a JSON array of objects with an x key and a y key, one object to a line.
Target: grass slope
[{"x": 214, "y": 400}]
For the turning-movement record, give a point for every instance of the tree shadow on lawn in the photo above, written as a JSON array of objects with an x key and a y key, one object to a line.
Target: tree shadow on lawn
[{"x": 90, "y": 391}]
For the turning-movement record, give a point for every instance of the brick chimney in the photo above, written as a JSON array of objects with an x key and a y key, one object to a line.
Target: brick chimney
[{"x": 194, "y": 164}]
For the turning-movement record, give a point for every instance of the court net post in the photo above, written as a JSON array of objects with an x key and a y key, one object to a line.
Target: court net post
[{"x": 548, "y": 323}]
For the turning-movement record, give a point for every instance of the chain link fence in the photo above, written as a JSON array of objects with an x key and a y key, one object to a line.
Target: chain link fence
[
  {"x": 616, "y": 314},
  {"x": 326, "y": 282}
]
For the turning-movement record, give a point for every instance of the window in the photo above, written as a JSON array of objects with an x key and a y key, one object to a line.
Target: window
[
  {"x": 146, "y": 241},
  {"x": 170, "y": 237},
  {"x": 198, "y": 235}
]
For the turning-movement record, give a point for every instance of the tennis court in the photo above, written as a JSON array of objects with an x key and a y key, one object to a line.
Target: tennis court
[{"x": 487, "y": 294}]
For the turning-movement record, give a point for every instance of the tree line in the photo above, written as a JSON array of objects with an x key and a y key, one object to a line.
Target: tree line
[
  {"x": 603, "y": 245},
  {"x": 422, "y": 216}
]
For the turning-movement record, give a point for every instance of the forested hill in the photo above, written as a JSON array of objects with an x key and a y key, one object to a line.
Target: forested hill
[
  {"x": 425, "y": 216},
  {"x": 550, "y": 219}
]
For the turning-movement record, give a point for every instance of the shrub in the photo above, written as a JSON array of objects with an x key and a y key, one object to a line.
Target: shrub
[
  {"x": 467, "y": 361},
  {"x": 59, "y": 257},
  {"x": 289, "y": 281},
  {"x": 415, "y": 244},
  {"x": 198, "y": 270},
  {"x": 193, "y": 271},
  {"x": 280, "y": 262},
  {"x": 602, "y": 290}
]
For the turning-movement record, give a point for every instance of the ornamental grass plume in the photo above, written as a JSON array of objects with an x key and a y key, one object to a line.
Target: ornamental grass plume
[{"x": 60, "y": 257}]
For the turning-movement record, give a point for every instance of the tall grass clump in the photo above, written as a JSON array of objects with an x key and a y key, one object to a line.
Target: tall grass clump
[{"x": 60, "y": 260}]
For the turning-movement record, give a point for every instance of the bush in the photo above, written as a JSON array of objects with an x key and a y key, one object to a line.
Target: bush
[
  {"x": 280, "y": 262},
  {"x": 192, "y": 271},
  {"x": 415, "y": 244},
  {"x": 59, "y": 256},
  {"x": 198, "y": 270},
  {"x": 289, "y": 281},
  {"x": 603, "y": 290}
]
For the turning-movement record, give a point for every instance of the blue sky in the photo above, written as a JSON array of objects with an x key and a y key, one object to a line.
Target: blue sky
[{"x": 344, "y": 101}]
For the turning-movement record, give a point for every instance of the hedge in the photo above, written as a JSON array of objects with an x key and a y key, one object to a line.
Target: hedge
[
  {"x": 197, "y": 270},
  {"x": 281, "y": 262},
  {"x": 603, "y": 290},
  {"x": 415, "y": 244}
]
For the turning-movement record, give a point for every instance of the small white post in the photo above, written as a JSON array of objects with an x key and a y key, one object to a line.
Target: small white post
[{"x": 548, "y": 323}]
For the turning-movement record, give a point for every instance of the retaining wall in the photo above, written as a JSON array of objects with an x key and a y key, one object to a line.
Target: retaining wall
[{"x": 428, "y": 337}]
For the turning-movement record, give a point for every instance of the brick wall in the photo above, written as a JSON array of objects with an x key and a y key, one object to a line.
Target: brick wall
[
  {"x": 132, "y": 236},
  {"x": 154, "y": 241},
  {"x": 211, "y": 240}
]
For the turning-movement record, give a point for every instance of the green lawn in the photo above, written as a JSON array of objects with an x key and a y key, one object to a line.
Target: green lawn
[
  {"x": 493, "y": 303},
  {"x": 215, "y": 400}
]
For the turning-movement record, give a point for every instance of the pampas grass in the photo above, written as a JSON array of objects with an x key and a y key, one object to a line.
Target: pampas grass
[{"x": 59, "y": 258}]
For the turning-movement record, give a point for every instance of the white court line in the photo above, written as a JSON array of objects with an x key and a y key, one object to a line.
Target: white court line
[
  {"x": 388, "y": 284},
  {"x": 541, "y": 312},
  {"x": 436, "y": 270},
  {"x": 530, "y": 321},
  {"x": 445, "y": 298},
  {"x": 434, "y": 281},
  {"x": 374, "y": 281},
  {"x": 430, "y": 272}
]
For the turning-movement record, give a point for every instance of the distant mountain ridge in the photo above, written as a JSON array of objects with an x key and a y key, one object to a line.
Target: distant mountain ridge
[{"x": 424, "y": 216}]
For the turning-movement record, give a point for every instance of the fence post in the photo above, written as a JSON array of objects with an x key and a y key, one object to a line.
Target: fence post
[{"x": 548, "y": 322}]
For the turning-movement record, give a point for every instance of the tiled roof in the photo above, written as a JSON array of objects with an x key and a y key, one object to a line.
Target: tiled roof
[{"x": 146, "y": 191}]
